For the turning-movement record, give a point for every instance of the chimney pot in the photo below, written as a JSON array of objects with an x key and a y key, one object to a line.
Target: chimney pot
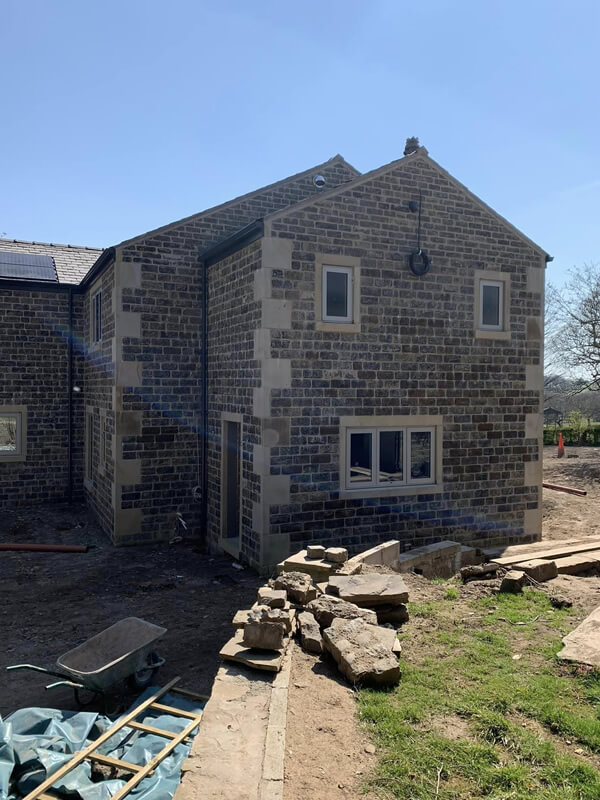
[{"x": 412, "y": 144}]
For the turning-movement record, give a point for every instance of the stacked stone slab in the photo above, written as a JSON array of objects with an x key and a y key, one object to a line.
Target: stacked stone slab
[{"x": 384, "y": 593}]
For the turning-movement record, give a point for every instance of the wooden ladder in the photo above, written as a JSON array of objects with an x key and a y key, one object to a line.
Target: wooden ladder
[{"x": 129, "y": 721}]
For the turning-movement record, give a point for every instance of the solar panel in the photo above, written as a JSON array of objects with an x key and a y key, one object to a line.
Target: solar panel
[{"x": 27, "y": 266}]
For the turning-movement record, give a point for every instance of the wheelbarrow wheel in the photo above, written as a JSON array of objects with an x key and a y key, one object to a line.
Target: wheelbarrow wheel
[{"x": 144, "y": 677}]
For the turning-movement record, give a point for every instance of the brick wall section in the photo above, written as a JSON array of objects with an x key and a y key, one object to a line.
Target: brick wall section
[
  {"x": 234, "y": 315},
  {"x": 415, "y": 354},
  {"x": 169, "y": 301},
  {"x": 33, "y": 365}
]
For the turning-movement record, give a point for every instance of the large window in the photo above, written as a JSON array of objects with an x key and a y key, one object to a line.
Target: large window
[
  {"x": 13, "y": 438},
  {"x": 337, "y": 294},
  {"x": 386, "y": 457}
]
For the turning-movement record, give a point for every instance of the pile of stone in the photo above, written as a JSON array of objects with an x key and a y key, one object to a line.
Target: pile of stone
[{"x": 351, "y": 617}]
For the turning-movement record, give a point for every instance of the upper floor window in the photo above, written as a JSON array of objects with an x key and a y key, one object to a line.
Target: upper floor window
[
  {"x": 96, "y": 315},
  {"x": 337, "y": 294},
  {"x": 492, "y": 305}
]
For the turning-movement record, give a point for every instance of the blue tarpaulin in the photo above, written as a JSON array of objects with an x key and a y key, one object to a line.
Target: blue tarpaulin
[{"x": 35, "y": 742}]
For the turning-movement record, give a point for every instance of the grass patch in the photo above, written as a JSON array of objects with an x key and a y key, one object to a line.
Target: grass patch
[{"x": 465, "y": 670}]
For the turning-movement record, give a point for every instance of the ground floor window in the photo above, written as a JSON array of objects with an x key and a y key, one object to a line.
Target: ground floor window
[
  {"x": 13, "y": 422},
  {"x": 390, "y": 456},
  {"x": 391, "y": 453}
]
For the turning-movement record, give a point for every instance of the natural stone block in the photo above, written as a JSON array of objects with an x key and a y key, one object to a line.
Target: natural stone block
[
  {"x": 362, "y": 652},
  {"x": 275, "y": 598},
  {"x": 315, "y": 551},
  {"x": 336, "y": 554},
  {"x": 263, "y": 635},
  {"x": 327, "y": 608},
  {"x": 298, "y": 586},
  {"x": 370, "y": 589},
  {"x": 310, "y": 633},
  {"x": 513, "y": 581},
  {"x": 539, "y": 570}
]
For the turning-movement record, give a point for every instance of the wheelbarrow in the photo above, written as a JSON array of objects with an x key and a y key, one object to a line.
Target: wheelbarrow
[{"x": 123, "y": 651}]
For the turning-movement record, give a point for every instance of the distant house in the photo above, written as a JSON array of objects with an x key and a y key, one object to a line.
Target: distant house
[
  {"x": 552, "y": 416},
  {"x": 335, "y": 358}
]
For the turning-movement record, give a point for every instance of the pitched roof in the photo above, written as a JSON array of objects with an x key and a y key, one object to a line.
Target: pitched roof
[
  {"x": 400, "y": 162},
  {"x": 310, "y": 171},
  {"x": 72, "y": 263}
]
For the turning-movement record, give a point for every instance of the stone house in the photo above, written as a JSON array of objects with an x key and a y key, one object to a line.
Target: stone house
[{"x": 335, "y": 358}]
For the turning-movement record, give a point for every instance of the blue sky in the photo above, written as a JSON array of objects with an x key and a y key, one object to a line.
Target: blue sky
[{"x": 118, "y": 117}]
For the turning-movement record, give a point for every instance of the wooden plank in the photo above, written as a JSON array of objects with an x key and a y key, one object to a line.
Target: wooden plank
[
  {"x": 547, "y": 554},
  {"x": 195, "y": 695},
  {"x": 139, "y": 726},
  {"x": 567, "y": 489},
  {"x": 114, "y": 762},
  {"x": 516, "y": 549},
  {"x": 87, "y": 751},
  {"x": 157, "y": 759},
  {"x": 176, "y": 712}
]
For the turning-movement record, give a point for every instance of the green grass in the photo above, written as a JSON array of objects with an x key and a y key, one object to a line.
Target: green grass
[{"x": 462, "y": 677}]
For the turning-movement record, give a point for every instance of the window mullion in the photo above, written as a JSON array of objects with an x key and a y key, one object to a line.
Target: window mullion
[{"x": 375, "y": 452}]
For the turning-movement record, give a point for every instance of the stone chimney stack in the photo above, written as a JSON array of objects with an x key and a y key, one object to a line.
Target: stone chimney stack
[{"x": 412, "y": 144}]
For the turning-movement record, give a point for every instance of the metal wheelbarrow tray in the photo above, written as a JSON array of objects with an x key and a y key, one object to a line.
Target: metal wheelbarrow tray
[{"x": 124, "y": 650}]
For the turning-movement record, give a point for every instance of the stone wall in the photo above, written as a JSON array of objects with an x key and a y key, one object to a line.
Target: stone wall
[
  {"x": 416, "y": 353},
  {"x": 158, "y": 394},
  {"x": 33, "y": 366}
]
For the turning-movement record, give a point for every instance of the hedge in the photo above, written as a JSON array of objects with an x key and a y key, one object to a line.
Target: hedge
[{"x": 588, "y": 436}]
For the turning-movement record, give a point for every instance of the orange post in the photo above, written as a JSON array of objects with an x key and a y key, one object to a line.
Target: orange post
[{"x": 561, "y": 446}]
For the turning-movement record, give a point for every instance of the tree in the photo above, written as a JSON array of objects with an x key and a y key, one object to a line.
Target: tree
[{"x": 573, "y": 331}]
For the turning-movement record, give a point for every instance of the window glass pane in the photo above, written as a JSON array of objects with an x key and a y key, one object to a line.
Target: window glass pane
[
  {"x": 490, "y": 305},
  {"x": 361, "y": 459},
  {"x": 420, "y": 455},
  {"x": 8, "y": 434},
  {"x": 391, "y": 445},
  {"x": 337, "y": 294}
]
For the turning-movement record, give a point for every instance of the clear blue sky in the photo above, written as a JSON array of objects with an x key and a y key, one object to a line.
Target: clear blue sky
[{"x": 118, "y": 117}]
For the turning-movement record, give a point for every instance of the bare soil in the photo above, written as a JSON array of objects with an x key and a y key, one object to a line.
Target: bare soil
[{"x": 51, "y": 602}]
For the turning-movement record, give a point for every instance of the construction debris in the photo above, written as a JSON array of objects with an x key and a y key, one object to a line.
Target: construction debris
[
  {"x": 318, "y": 568},
  {"x": 480, "y": 571},
  {"x": 362, "y": 652},
  {"x": 298, "y": 585},
  {"x": 515, "y": 555},
  {"x": 369, "y": 590},
  {"x": 310, "y": 632},
  {"x": 326, "y": 608},
  {"x": 275, "y": 598},
  {"x": 336, "y": 554},
  {"x": 574, "y": 565},
  {"x": 539, "y": 570},
  {"x": 568, "y": 489},
  {"x": 315, "y": 551},
  {"x": 583, "y": 644},
  {"x": 235, "y": 650},
  {"x": 440, "y": 560},
  {"x": 513, "y": 581}
]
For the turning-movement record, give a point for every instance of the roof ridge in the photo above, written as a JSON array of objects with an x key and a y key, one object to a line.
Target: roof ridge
[
  {"x": 52, "y": 244},
  {"x": 212, "y": 209}
]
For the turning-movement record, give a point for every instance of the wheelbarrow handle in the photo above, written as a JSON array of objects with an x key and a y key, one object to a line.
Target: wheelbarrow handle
[
  {"x": 65, "y": 683},
  {"x": 38, "y": 669}
]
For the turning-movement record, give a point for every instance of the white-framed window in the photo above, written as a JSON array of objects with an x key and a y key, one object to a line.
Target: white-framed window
[
  {"x": 89, "y": 447},
  {"x": 337, "y": 294},
  {"x": 491, "y": 305},
  {"x": 96, "y": 316},
  {"x": 384, "y": 457},
  {"x": 13, "y": 433}
]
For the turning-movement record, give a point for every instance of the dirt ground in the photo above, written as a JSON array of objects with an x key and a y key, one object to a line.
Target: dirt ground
[{"x": 51, "y": 602}]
